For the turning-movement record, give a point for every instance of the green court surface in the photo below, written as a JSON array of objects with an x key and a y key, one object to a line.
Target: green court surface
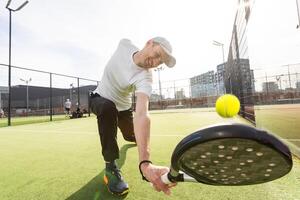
[
  {"x": 284, "y": 120},
  {"x": 31, "y": 120},
  {"x": 62, "y": 160}
]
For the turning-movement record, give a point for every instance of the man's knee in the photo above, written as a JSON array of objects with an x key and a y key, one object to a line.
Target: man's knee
[{"x": 129, "y": 137}]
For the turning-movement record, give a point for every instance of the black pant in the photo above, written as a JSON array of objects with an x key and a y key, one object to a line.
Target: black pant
[{"x": 109, "y": 119}]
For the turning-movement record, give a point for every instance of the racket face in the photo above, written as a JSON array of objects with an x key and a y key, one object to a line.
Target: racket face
[{"x": 242, "y": 156}]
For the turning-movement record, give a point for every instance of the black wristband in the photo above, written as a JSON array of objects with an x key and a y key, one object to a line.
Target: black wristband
[{"x": 143, "y": 161}]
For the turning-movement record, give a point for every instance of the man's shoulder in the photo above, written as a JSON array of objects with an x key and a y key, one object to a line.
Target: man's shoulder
[
  {"x": 125, "y": 41},
  {"x": 127, "y": 44}
]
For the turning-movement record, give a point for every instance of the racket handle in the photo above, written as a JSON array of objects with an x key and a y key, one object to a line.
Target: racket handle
[{"x": 165, "y": 179}]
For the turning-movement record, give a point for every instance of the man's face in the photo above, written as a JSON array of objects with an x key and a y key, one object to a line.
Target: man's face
[{"x": 154, "y": 55}]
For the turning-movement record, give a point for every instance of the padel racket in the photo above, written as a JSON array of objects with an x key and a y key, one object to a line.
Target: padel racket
[{"x": 229, "y": 154}]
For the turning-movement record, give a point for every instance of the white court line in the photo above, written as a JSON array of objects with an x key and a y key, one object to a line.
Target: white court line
[
  {"x": 293, "y": 140},
  {"x": 66, "y": 131},
  {"x": 83, "y": 132},
  {"x": 168, "y": 135}
]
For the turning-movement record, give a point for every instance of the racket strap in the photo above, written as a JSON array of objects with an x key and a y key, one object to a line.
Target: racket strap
[{"x": 144, "y": 161}]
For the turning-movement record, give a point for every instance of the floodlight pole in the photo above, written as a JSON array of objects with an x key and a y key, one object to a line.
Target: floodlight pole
[
  {"x": 159, "y": 82},
  {"x": 216, "y": 43},
  {"x": 71, "y": 90},
  {"x": 9, "y": 57},
  {"x": 289, "y": 74},
  {"x": 0, "y": 101},
  {"x": 27, "y": 96},
  {"x": 78, "y": 94},
  {"x": 278, "y": 78},
  {"x": 298, "y": 25},
  {"x": 9, "y": 71}
]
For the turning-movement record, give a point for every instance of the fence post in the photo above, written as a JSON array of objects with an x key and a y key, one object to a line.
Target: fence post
[
  {"x": 78, "y": 94},
  {"x": 51, "y": 106},
  {"x": 9, "y": 73},
  {"x": 89, "y": 101}
]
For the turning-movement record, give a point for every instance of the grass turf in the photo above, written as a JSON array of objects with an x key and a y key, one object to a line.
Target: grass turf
[
  {"x": 280, "y": 119},
  {"x": 62, "y": 160},
  {"x": 31, "y": 120}
]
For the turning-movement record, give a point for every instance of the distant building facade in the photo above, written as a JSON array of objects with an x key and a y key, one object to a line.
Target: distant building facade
[
  {"x": 179, "y": 94},
  {"x": 270, "y": 87},
  {"x": 298, "y": 85},
  {"x": 203, "y": 85},
  {"x": 219, "y": 79}
]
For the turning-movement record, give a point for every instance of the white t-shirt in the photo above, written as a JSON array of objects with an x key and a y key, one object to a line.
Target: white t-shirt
[
  {"x": 68, "y": 104},
  {"x": 121, "y": 76}
]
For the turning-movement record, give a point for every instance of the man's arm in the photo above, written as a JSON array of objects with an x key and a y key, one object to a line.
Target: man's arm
[
  {"x": 142, "y": 134},
  {"x": 142, "y": 126}
]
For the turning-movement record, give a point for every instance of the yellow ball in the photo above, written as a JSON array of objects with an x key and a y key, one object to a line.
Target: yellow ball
[{"x": 227, "y": 105}]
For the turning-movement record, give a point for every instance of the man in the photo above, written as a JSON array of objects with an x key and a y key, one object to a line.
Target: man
[
  {"x": 68, "y": 105},
  {"x": 128, "y": 70},
  {"x": 1, "y": 113}
]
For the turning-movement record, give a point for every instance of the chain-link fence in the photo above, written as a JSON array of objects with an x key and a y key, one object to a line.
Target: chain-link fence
[
  {"x": 38, "y": 96},
  {"x": 37, "y": 93},
  {"x": 278, "y": 85}
]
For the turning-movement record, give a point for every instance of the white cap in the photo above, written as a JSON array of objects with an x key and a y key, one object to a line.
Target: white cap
[{"x": 166, "y": 46}]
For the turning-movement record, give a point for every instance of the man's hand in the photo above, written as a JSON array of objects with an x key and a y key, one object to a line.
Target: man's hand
[{"x": 153, "y": 174}]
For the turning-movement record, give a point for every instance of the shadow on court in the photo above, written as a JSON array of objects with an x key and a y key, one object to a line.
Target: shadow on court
[{"x": 95, "y": 189}]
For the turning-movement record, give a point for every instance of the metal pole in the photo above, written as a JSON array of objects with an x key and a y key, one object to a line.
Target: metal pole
[
  {"x": 280, "y": 83},
  {"x": 27, "y": 93},
  {"x": 190, "y": 87},
  {"x": 159, "y": 83},
  {"x": 89, "y": 103},
  {"x": 9, "y": 71},
  {"x": 78, "y": 93},
  {"x": 160, "y": 95},
  {"x": 298, "y": 14},
  {"x": 223, "y": 53},
  {"x": 9, "y": 58},
  {"x": 224, "y": 69},
  {"x": 218, "y": 80},
  {"x": 278, "y": 78},
  {"x": 70, "y": 92},
  {"x": 0, "y": 101},
  {"x": 174, "y": 91},
  {"x": 289, "y": 76},
  {"x": 230, "y": 83},
  {"x": 51, "y": 107},
  {"x": 267, "y": 84},
  {"x": 27, "y": 98}
]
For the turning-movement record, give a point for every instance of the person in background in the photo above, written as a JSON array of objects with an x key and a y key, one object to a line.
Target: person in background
[
  {"x": 68, "y": 105},
  {"x": 1, "y": 113}
]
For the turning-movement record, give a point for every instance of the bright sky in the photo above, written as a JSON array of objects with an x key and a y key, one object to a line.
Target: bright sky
[
  {"x": 273, "y": 39},
  {"x": 77, "y": 37}
]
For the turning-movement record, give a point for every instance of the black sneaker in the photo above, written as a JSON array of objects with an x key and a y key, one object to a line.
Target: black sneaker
[{"x": 115, "y": 182}]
